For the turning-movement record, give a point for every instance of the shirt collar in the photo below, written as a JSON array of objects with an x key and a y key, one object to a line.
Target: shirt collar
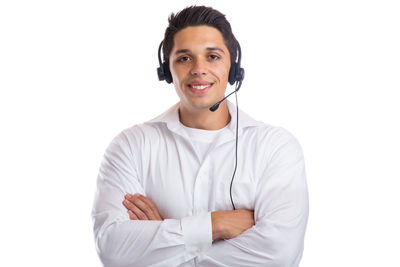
[{"x": 171, "y": 119}]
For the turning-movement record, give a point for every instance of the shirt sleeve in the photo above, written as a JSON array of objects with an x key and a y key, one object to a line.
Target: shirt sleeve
[
  {"x": 280, "y": 212},
  {"x": 124, "y": 242}
]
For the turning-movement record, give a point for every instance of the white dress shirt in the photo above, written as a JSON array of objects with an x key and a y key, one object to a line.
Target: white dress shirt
[{"x": 187, "y": 176}]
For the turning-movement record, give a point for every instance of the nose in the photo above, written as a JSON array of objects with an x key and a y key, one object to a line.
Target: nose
[{"x": 199, "y": 67}]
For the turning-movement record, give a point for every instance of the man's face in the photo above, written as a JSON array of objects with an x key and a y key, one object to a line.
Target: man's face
[{"x": 199, "y": 64}]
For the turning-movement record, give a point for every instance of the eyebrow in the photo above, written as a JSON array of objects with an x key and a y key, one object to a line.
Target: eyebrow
[
  {"x": 182, "y": 51},
  {"x": 215, "y": 49}
]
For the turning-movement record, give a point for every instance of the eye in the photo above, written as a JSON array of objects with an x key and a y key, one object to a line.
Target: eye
[
  {"x": 213, "y": 57},
  {"x": 183, "y": 59}
]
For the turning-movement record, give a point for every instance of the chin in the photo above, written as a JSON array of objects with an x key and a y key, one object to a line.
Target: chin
[{"x": 200, "y": 104}]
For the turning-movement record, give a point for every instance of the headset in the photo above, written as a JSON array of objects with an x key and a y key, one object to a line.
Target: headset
[{"x": 236, "y": 75}]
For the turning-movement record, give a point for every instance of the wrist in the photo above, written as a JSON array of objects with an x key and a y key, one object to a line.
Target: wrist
[{"x": 216, "y": 225}]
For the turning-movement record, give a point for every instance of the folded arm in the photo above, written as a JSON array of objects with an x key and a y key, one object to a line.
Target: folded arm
[
  {"x": 280, "y": 212},
  {"x": 124, "y": 242},
  {"x": 225, "y": 224}
]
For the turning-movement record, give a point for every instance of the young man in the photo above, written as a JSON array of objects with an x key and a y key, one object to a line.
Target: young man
[{"x": 180, "y": 204}]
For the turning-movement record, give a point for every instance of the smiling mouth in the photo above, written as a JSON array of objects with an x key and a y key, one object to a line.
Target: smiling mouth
[{"x": 200, "y": 87}]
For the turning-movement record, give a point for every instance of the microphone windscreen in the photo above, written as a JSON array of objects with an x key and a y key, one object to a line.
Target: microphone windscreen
[{"x": 215, "y": 107}]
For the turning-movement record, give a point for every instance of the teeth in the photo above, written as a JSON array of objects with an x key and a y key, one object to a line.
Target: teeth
[{"x": 199, "y": 87}]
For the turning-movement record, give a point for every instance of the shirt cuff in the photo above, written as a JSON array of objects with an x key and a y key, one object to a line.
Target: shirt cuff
[{"x": 197, "y": 232}]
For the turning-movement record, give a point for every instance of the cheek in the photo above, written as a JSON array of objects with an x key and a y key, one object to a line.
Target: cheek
[
  {"x": 177, "y": 74},
  {"x": 223, "y": 73},
  {"x": 177, "y": 84},
  {"x": 177, "y": 80}
]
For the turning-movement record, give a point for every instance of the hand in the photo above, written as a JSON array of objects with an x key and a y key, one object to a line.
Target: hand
[
  {"x": 141, "y": 208},
  {"x": 230, "y": 223}
]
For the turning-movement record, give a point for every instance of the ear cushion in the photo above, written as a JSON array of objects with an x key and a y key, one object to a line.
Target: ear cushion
[
  {"x": 164, "y": 73},
  {"x": 167, "y": 72},
  {"x": 236, "y": 73},
  {"x": 232, "y": 73}
]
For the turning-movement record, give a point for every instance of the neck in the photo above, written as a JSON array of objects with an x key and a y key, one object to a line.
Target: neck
[{"x": 204, "y": 118}]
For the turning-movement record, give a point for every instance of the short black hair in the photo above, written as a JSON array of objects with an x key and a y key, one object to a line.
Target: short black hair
[{"x": 198, "y": 16}]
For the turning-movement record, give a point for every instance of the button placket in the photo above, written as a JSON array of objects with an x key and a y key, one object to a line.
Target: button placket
[{"x": 201, "y": 188}]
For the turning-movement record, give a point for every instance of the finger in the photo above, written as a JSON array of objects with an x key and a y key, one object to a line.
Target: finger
[
  {"x": 153, "y": 207},
  {"x": 132, "y": 215},
  {"x": 131, "y": 198},
  {"x": 146, "y": 209},
  {"x": 127, "y": 204},
  {"x": 148, "y": 202},
  {"x": 136, "y": 210},
  {"x": 130, "y": 201},
  {"x": 145, "y": 205},
  {"x": 139, "y": 213}
]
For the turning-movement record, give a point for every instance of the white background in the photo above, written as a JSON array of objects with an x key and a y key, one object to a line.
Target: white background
[{"x": 73, "y": 74}]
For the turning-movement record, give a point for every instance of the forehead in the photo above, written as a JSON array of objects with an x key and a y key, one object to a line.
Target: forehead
[{"x": 194, "y": 37}]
